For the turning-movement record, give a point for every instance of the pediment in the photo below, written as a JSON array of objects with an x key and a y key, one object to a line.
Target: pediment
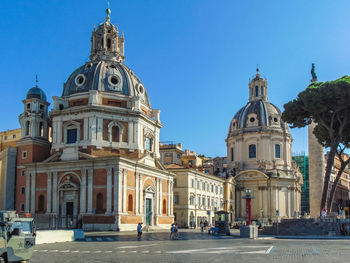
[
  {"x": 150, "y": 189},
  {"x": 251, "y": 175}
]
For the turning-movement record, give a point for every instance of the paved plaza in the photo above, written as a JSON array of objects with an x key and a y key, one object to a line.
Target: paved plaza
[{"x": 192, "y": 247}]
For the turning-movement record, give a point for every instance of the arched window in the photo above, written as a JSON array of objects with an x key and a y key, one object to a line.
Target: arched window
[
  {"x": 256, "y": 91},
  {"x": 41, "y": 203},
  {"x": 115, "y": 133},
  {"x": 164, "y": 206},
  {"x": 41, "y": 129},
  {"x": 277, "y": 151},
  {"x": 148, "y": 144},
  {"x": 99, "y": 203},
  {"x": 252, "y": 151},
  {"x": 108, "y": 43},
  {"x": 130, "y": 203},
  {"x": 232, "y": 156},
  {"x": 27, "y": 128}
]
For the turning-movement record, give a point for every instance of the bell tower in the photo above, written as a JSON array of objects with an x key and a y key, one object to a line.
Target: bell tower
[{"x": 258, "y": 88}]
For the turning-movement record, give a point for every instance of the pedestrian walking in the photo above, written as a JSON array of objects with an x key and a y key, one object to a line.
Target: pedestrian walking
[
  {"x": 176, "y": 231},
  {"x": 202, "y": 226},
  {"x": 139, "y": 231},
  {"x": 172, "y": 230}
]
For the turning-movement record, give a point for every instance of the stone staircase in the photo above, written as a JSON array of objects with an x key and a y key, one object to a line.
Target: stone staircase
[{"x": 305, "y": 227}]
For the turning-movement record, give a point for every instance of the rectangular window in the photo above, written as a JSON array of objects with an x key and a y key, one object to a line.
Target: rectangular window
[
  {"x": 23, "y": 173},
  {"x": 208, "y": 201},
  {"x": 208, "y": 187},
  {"x": 220, "y": 190},
  {"x": 28, "y": 106},
  {"x": 277, "y": 151},
  {"x": 212, "y": 202},
  {"x": 203, "y": 186},
  {"x": 71, "y": 136},
  {"x": 24, "y": 155},
  {"x": 148, "y": 144},
  {"x": 199, "y": 200},
  {"x": 5, "y": 138},
  {"x": 14, "y": 136},
  {"x": 22, "y": 207},
  {"x": 212, "y": 188},
  {"x": 216, "y": 189},
  {"x": 192, "y": 200},
  {"x": 176, "y": 199},
  {"x": 192, "y": 183},
  {"x": 232, "y": 157},
  {"x": 175, "y": 182},
  {"x": 198, "y": 185},
  {"x": 252, "y": 151},
  {"x": 203, "y": 200},
  {"x": 23, "y": 190}
]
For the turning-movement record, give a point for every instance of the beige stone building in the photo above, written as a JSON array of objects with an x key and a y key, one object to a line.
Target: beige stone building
[
  {"x": 259, "y": 155},
  {"x": 198, "y": 195},
  {"x": 171, "y": 153}
]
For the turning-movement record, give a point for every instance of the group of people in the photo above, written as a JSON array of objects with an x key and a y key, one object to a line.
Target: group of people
[
  {"x": 174, "y": 231},
  {"x": 204, "y": 224}
]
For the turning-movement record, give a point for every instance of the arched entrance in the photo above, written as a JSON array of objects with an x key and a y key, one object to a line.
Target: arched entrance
[{"x": 69, "y": 196}]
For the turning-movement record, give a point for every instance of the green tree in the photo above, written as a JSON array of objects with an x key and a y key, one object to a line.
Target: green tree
[{"x": 328, "y": 105}]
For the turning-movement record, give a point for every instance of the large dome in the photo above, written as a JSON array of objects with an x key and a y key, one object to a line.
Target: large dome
[{"x": 105, "y": 76}]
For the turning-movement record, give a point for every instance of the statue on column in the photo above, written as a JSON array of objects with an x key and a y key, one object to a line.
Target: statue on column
[{"x": 313, "y": 73}]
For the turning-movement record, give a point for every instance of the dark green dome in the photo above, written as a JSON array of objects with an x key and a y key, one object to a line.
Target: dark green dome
[{"x": 37, "y": 93}]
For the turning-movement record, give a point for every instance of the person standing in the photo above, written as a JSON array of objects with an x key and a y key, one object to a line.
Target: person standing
[
  {"x": 139, "y": 231},
  {"x": 176, "y": 231},
  {"x": 172, "y": 230},
  {"x": 202, "y": 226}
]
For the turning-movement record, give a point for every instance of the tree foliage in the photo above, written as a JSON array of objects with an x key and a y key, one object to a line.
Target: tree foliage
[{"x": 328, "y": 105}]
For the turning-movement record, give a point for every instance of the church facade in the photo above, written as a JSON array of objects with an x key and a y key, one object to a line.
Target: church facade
[
  {"x": 101, "y": 168},
  {"x": 259, "y": 156}
]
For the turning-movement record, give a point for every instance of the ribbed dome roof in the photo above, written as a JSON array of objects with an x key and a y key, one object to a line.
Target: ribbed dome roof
[
  {"x": 37, "y": 93},
  {"x": 107, "y": 76}
]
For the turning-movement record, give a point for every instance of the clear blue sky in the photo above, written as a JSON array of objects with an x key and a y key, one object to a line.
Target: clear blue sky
[{"x": 194, "y": 57}]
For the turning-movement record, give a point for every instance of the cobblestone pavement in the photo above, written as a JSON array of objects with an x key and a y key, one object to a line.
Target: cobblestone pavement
[{"x": 192, "y": 247}]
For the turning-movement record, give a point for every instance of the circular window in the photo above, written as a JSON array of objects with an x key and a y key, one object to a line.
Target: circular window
[
  {"x": 113, "y": 80},
  {"x": 141, "y": 89},
  {"x": 112, "y": 66},
  {"x": 275, "y": 119},
  {"x": 88, "y": 65},
  {"x": 252, "y": 119},
  {"x": 80, "y": 80}
]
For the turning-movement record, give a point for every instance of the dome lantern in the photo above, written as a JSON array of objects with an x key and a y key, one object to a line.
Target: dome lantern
[{"x": 257, "y": 88}]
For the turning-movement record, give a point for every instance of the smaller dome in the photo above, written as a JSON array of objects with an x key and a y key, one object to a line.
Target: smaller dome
[{"x": 36, "y": 93}]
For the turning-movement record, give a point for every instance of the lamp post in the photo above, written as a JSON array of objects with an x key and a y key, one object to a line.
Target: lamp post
[{"x": 248, "y": 197}]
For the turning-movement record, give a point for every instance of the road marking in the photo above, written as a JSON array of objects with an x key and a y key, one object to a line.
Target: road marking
[
  {"x": 269, "y": 250},
  {"x": 123, "y": 251},
  {"x": 76, "y": 251},
  {"x": 157, "y": 252},
  {"x": 145, "y": 252},
  {"x": 134, "y": 251},
  {"x": 64, "y": 251},
  {"x": 98, "y": 251},
  {"x": 55, "y": 250},
  {"x": 35, "y": 250},
  {"x": 137, "y": 246},
  {"x": 108, "y": 251},
  {"x": 85, "y": 252},
  {"x": 253, "y": 252},
  {"x": 220, "y": 252},
  {"x": 44, "y": 250},
  {"x": 315, "y": 250}
]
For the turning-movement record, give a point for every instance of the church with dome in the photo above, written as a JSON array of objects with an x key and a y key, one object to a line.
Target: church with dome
[
  {"x": 93, "y": 160},
  {"x": 259, "y": 157}
]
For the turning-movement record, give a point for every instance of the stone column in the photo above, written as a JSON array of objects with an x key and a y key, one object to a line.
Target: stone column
[
  {"x": 86, "y": 129},
  {"x": 141, "y": 194},
  {"x": 32, "y": 193},
  {"x": 130, "y": 132},
  {"x": 124, "y": 190},
  {"x": 90, "y": 189},
  {"x": 161, "y": 196},
  {"x": 316, "y": 172},
  {"x": 117, "y": 189},
  {"x": 261, "y": 202},
  {"x": 157, "y": 196},
  {"x": 169, "y": 197},
  {"x": 109, "y": 190},
  {"x": 48, "y": 193},
  {"x": 172, "y": 200},
  {"x": 137, "y": 193},
  {"x": 83, "y": 192},
  {"x": 59, "y": 132},
  {"x": 54, "y": 193},
  {"x": 27, "y": 208}
]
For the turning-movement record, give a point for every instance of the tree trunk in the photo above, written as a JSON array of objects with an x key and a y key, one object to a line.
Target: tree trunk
[
  {"x": 334, "y": 186},
  {"x": 330, "y": 162}
]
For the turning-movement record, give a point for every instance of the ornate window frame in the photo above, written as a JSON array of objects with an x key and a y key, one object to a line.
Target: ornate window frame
[
  {"x": 148, "y": 134},
  {"x": 71, "y": 125},
  {"x": 121, "y": 128}
]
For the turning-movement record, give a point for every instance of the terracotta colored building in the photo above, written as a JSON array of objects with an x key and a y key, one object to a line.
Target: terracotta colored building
[{"x": 101, "y": 169}]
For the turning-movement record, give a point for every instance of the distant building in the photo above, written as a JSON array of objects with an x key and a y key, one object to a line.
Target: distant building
[
  {"x": 7, "y": 178},
  {"x": 302, "y": 162},
  {"x": 171, "y": 153},
  {"x": 220, "y": 166},
  {"x": 191, "y": 159},
  {"x": 9, "y": 138},
  {"x": 197, "y": 195}
]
